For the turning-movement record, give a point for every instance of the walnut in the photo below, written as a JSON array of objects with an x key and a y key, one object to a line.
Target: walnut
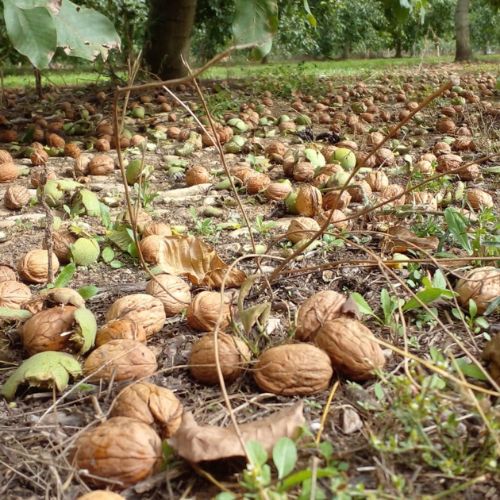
[
  {"x": 315, "y": 311},
  {"x": 5, "y": 156},
  {"x": 62, "y": 241},
  {"x": 204, "y": 310},
  {"x": 338, "y": 200},
  {"x": 7, "y": 273},
  {"x": 37, "y": 173},
  {"x": 303, "y": 171},
  {"x": 197, "y": 174},
  {"x": 173, "y": 291},
  {"x": 293, "y": 370},
  {"x": 481, "y": 284},
  {"x": 157, "y": 228},
  {"x": 257, "y": 182},
  {"x": 101, "y": 165},
  {"x": 101, "y": 495},
  {"x": 337, "y": 219},
  {"x": 242, "y": 171},
  {"x": 16, "y": 197},
  {"x": 446, "y": 126},
  {"x": 120, "y": 359},
  {"x": 13, "y": 294},
  {"x": 302, "y": 228},
  {"x": 278, "y": 190},
  {"x": 424, "y": 199},
  {"x": 121, "y": 449},
  {"x": 441, "y": 148},
  {"x": 378, "y": 181},
  {"x": 351, "y": 347},
  {"x": 33, "y": 267},
  {"x": 478, "y": 198},
  {"x": 233, "y": 355},
  {"x": 102, "y": 145},
  {"x": 394, "y": 191},
  {"x": 309, "y": 201},
  {"x": 81, "y": 165},
  {"x": 275, "y": 148},
  {"x": 359, "y": 191},
  {"x": 49, "y": 330},
  {"x": 120, "y": 329},
  {"x": 385, "y": 157},
  {"x": 448, "y": 162},
  {"x": 145, "y": 310},
  {"x": 8, "y": 172},
  {"x": 151, "y": 404}
]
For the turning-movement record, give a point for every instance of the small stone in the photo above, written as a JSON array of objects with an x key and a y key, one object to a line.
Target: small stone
[{"x": 351, "y": 421}]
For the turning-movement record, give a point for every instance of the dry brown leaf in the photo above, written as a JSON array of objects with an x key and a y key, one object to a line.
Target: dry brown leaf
[
  {"x": 400, "y": 240},
  {"x": 191, "y": 257},
  {"x": 199, "y": 443}
]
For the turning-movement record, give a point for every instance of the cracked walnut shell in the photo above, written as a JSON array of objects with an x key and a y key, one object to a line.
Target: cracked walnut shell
[
  {"x": 151, "y": 404},
  {"x": 293, "y": 369},
  {"x": 146, "y": 310},
  {"x": 315, "y": 311},
  {"x": 121, "y": 359},
  {"x": 121, "y": 449},
  {"x": 351, "y": 347},
  {"x": 233, "y": 356}
]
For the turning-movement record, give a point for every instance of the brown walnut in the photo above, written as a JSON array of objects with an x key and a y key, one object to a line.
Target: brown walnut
[
  {"x": 203, "y": 312},
  {"x": 122, "y": 449},
  {"x": 482, "y": 285},
  {"x": 13, "y": 294},
  {"x": 121, "y": 359},
  {"x": 120, "y": 329},
  {"x": 351, "y": 347},
  {"x": 33, "y": 267},
  {"x": 151, "y": 404},
  {"x": 173, "y": 291},
  {"x": 293, "y": 369}
]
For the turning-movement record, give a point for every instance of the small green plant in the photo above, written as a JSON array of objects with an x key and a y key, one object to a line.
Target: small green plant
[
  {"x": 475, "y": 322},
  {"x": 146, "y": 194},
  {"x": 203, "y": 227},
  {"x": 262, "y": 226}
]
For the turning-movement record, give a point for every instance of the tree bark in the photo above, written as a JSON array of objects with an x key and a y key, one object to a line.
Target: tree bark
[
  {"x": 463, "y": 51},
  {"x": 168, "y": 36},
  {"x": 399, "y": 49}
]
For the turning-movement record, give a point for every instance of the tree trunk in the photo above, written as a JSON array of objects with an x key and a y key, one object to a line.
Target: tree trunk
[
  {"x": 346, "y": 50},
  {"x": 168, "y": 36},
  {"x": 463, "y": 50},
  {"x": 399, "y": 49}
]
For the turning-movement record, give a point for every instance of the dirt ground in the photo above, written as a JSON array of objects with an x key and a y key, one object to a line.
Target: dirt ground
[{"x": 382, "y": 446}]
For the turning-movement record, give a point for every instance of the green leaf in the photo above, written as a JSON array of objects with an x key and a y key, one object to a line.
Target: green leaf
[
  {"x": 116, "y": 264},
  {"x": 301, "y": 475},
  {"x": 226, "y": 495},
  {"x": 492, "y": 307},
  {"x": 310, "y": 16},
  {"x": 86, "y": 202},
  {"x": 457, "y": 224},
  {"x": 45, "y": 369},
  {"x": 65, "y": 276},
  {"x": 387, "y": 304},
  {"x": 315, "y": 157},
  {"x": 255, "y": 21},
  {"x": 108, "y": 254},
  {"x": 427, "y": 295},
  {"x": 256, "y": 453},
  {"x": 438, "y": 280},
  {"x": 470, "y": 369},
  {"x": 363, "y": 306},
  {"x": 120, "y": 237},
  {"x": 472, "y": 308},
  {"x": 84, "y": 33},
  {"x": 31, "y": 30},
  {"x": 379, "y": 391},
  {"x": 84, "y": 335},
  {"x": 14, "y": 314},
  {"x": 87, "y": 292},
  {"x": 284, "y": 456}
]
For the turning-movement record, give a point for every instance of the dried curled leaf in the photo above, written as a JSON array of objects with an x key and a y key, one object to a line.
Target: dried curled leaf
[
  {"x": 491, "y": 355},
  {"x": 45, "y": 369},
  {"x": 194, "y": 259},
  {"x": 199, "y": 443}
]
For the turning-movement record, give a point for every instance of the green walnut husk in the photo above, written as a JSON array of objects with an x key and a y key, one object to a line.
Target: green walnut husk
[
  {"x": 47, "y": 369},
  {"x": 345, "y": 157},
  {"x": 85, "y": 251}
]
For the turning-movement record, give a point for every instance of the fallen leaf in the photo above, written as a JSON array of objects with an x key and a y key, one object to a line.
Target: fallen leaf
[
  {"x": 400, "y": 240},
  {"x": 191, "y": 257},
  {"x": 199, "y": 443}
]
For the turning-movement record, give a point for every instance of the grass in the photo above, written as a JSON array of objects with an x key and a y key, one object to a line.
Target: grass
[{"x": 23, "y": 77}]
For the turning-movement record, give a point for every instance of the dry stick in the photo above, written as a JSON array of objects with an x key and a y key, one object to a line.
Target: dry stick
[
  {"x": 391, "y": 134},
  {"x": 426, "y": 307},
  {"x": 325, "y": 411},
  {"x": 49, "y": 220},
  {"x": 195, "y": 73}
]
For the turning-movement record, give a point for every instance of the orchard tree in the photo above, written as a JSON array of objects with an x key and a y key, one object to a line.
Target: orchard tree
[{"x": 463, "y": 49}]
